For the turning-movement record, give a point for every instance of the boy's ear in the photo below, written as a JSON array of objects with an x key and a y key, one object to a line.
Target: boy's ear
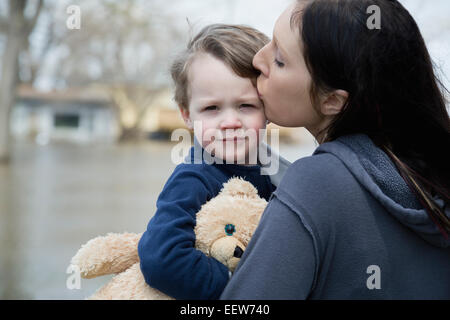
[
  {"x": 186, "y": 117},
  {"x": 334, "y": 102}
]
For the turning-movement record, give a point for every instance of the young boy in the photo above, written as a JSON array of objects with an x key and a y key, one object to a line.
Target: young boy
[{"x": 215, "y": 90}]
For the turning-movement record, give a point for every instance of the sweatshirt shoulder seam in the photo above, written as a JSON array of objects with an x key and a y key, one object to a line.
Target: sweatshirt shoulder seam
[{"x": 300, "y": 212}]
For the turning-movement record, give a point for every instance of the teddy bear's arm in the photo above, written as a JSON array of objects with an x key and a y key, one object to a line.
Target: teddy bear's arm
[
  {"x": 108, "y": 254},
  {"x": 128, "y": 285}
]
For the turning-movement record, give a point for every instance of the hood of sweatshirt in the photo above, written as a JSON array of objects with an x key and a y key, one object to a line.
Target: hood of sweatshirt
[{"x": 378, "y": 174}]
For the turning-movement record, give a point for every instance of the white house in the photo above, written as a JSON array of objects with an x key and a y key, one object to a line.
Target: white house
[{"x": 76, "y": 115}]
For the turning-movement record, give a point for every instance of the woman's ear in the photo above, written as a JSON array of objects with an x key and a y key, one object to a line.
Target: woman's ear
[
  {"x": 334, "y": 102},
  {"x": 186, "y": 117}
]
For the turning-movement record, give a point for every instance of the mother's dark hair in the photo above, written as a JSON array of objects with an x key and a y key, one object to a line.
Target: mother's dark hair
[{"x": 394, "y": 95}]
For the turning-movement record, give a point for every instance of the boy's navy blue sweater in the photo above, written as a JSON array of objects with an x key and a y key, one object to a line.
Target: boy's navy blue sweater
[{"x": 168, "y": 257}]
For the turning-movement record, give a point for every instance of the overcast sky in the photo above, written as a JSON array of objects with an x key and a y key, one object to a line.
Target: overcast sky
[{"x": 431, "y": 16}]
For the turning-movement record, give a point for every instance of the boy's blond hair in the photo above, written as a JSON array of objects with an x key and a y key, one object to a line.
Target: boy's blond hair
[{"x": 235, "y": 45}]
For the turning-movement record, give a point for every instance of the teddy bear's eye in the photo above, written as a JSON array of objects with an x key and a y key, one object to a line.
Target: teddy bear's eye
[{"x": 230, "y": 229}]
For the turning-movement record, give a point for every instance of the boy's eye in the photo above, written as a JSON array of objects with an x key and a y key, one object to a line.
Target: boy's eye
[
  {"x": 210, "y": 108},
  {"x": 246, "y": 105},
  {"x": 279, "y": 63}
]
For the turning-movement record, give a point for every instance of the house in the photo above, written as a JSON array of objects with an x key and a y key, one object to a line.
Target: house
[{"x": 80, "y": 115}]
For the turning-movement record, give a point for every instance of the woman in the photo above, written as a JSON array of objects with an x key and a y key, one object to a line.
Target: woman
[{"x": 367, "y": 215}]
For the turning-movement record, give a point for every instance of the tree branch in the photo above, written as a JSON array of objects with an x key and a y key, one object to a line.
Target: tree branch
[{"x": 32, "y": 21}]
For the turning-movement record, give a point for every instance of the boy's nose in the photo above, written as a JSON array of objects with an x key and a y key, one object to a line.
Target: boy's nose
[{"x": 230, "y": 121}]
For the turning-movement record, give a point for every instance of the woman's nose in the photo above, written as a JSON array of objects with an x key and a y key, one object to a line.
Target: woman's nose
[{"x": 258, "y": 61}]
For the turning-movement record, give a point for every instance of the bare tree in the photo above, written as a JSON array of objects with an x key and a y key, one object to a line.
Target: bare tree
[
  {"x": 16, "y": 27},
  {"x": 125, "y": 47}
]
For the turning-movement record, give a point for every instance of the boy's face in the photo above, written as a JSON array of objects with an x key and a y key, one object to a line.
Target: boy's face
[{"x": 228, "y": 109}]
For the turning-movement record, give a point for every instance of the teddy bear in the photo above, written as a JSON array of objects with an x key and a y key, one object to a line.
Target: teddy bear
[{"x": 224, "y": 226}]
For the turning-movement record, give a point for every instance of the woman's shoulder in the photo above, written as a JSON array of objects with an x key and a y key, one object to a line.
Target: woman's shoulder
[
  {"x": 315, "y": 170},
  {"x": 318, "y": 189},
  {"x": 319, "y": 179}
]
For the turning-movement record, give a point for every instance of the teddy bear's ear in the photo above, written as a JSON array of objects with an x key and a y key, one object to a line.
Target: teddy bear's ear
[{"x": 238, "y": 187}]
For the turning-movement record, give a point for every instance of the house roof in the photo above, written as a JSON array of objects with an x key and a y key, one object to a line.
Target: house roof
[{"x": 78, "y": 94}]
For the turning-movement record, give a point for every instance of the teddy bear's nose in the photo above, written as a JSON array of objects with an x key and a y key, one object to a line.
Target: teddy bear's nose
[{"x": 238, "y": 252}]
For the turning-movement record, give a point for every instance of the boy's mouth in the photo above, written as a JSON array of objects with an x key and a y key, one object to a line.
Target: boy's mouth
[{"x": 233, "y": 139}]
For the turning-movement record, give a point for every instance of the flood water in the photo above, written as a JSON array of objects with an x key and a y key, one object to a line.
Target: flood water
[{"x": 55, "y": 198}]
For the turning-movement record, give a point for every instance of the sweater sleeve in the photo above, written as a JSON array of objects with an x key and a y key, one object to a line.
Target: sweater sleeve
[
  {"x": 279, "y": 262},
  {"x": 168, "y": 257}
]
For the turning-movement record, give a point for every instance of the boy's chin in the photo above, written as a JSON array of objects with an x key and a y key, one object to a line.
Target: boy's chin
[
  {"x": 234, "y": 158},
  {"x": 233, "y": 155}
]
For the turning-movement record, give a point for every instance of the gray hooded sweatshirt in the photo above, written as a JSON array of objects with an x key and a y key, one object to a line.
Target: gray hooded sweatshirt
[{"x": 343, "y": 224}]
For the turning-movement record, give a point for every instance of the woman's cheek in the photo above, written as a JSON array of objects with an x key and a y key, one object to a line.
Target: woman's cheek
[{"x": 272, "y": 107}]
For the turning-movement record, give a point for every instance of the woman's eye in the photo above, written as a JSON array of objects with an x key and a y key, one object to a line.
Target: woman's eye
[
  {"x": 210, "y": 108},
  {"x": 279, "y": 63},
  {"x": 246, "y": 105}
]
